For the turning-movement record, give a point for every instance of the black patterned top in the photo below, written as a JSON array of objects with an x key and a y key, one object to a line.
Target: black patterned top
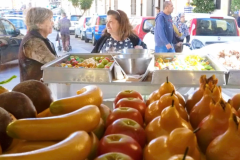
[{"x": 112, "y": 45}]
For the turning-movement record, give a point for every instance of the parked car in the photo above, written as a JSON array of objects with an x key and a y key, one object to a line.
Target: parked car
[
  {"x": 95, "y": 27},
  {"x": 19, "y": 24},
  {"x": 210, "y": 29},
  {"x": 54, "y": 17},
  {"x": 142, "y": 25},
  {"x": 81, "y": 27},
  {"x": 10, "y": 40},
  {"x": 55, "y": 23},
  {"x": 13, "y": 15},
  {"x": 207, "y": 28},
  {"x": 74, "y": 22}
]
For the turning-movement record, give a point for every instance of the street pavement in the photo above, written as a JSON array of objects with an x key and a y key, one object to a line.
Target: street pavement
[{"x": 9, "y": 69}]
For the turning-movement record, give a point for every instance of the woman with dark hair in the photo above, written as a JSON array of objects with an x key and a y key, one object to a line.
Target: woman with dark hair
[{"x": 118, "y": 34}]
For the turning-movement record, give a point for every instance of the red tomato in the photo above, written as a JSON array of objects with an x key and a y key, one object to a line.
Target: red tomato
[
  {"x": 107, "y": 59},
  {"x": 128, "y": 127},
  {"x": 120, "y": 143},
  {"x": 125, "y": 112},
  {"x": 127, "y": 94},
  {"x": 132, "y": 103}
]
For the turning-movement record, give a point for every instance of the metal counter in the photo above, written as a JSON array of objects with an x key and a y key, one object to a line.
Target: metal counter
[{"x": 188, "y": 77}]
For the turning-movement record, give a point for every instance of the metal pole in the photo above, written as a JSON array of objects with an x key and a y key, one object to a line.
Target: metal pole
[
  {"x": 110, "y": 4},
  {"x": 141, "y": 7}
]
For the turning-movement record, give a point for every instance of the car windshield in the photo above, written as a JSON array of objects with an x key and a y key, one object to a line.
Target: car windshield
[
  {"x": 135, "y": 22},
  {"x": 148, "y": 24},
  {"x": 88, "y": 19},
  {"x": 75, "y": 18},
  {"x": 216, "y": 27},
  {"x": 18, "y": 23},
  {"x": 102, "y": 20}
]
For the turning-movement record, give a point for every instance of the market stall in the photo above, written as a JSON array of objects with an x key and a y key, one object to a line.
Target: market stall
[
  {"x": 63, "y": 81},
  {"x": 133, "y": 107}
]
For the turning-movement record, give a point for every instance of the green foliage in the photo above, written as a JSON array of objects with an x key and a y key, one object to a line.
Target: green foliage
[
  {"x": 75, "y": 3},
  {"x": 203, "y": 6},
  {"x": 85, "y": 5},
  {"x": 235, "y": 6}
]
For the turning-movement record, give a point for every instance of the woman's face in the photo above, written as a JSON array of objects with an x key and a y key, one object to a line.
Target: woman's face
[
  {"x": 112, "y": 25},
  {"x": 183, "y": 18},
  {"x": 46, "y": 26}
]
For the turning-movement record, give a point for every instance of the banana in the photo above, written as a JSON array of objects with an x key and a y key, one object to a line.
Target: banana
[
  {"x": 26, "y": 146},
  {"x": 56, "y": 127},
  {"x": 89, "y": 95},
  {"x": 75, "y": 147}
]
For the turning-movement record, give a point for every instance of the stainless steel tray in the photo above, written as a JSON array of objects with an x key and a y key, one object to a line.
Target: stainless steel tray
[
  {"x": 233, "y": 77},
  {"x": 187, "y": 77},
  {"x": 52, "y": 74}
]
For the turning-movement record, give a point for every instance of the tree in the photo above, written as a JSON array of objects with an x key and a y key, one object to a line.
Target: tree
[
  {"x": 76, "y": 4},
  {"x": 85, "y": 5},
  {"x": 235, "y": 6},
  {"x": 203, "y": 6}
]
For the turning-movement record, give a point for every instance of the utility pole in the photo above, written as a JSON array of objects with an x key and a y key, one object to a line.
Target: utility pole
[
  {"x": 110, "y": 4},
  {"x": 12, "y": 5}
]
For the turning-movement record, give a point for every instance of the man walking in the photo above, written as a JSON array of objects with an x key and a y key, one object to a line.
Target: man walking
[
  {"x": 164, "y": 30},
  {"x": 64, "y": 25}
]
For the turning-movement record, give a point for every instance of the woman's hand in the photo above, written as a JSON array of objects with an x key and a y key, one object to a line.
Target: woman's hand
[{"x": 138, "y": 47}]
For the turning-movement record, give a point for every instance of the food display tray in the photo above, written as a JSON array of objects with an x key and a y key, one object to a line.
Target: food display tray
[
  {"x": 187, "y": 77},
  {"x": 233, "y": 77},
  {"x": 54, "y": 74}
]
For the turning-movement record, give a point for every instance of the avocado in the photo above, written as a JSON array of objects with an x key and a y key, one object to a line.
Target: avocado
[
  {"x": 5, "y": 119},
  {"x": 38, "y": 92},
  {"x": 18, "y": 104}
]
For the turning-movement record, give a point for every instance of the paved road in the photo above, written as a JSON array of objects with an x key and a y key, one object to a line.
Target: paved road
[{"x": 9, "y": 69}]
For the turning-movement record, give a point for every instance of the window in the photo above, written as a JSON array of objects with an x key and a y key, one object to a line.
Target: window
[
  {"x": 136, "y": 21},
  {"x": 216, "y": 27},
  {"x": 148, "y": 24},
  {"x": 218, "y": 4},
  {"x": 75, "y": 18},
  {"x": 18, "y": 23},
  {"x": 88, "y": 19},
  {"x": 8, "y": 27},
  {"x": 133, "y": 7},
  {"x": 102, "y": 20},
  {"x": 2, "y": 30}
]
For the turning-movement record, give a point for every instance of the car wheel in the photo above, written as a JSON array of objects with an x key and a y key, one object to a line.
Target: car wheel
[
  {"x": 93, "y": 40},
  {"x": 76, "y": 36},
  {"x": 86, "y": 39},
  {"x": 82, "y": 36}
]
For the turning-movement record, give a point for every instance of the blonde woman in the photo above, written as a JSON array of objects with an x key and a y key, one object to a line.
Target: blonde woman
[{"x": 35, "y": 49}]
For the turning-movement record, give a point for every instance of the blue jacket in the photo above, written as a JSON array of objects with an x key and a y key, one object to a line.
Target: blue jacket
[
  {"x": 64, "y": 25},
  {"x": 163, "y": 33}
]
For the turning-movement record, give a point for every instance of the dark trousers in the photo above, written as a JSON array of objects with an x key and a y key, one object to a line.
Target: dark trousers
[{"x": 65, "y": 41}]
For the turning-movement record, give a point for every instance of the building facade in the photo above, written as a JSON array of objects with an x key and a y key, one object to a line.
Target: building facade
[{"x": 135, "y": 7}]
